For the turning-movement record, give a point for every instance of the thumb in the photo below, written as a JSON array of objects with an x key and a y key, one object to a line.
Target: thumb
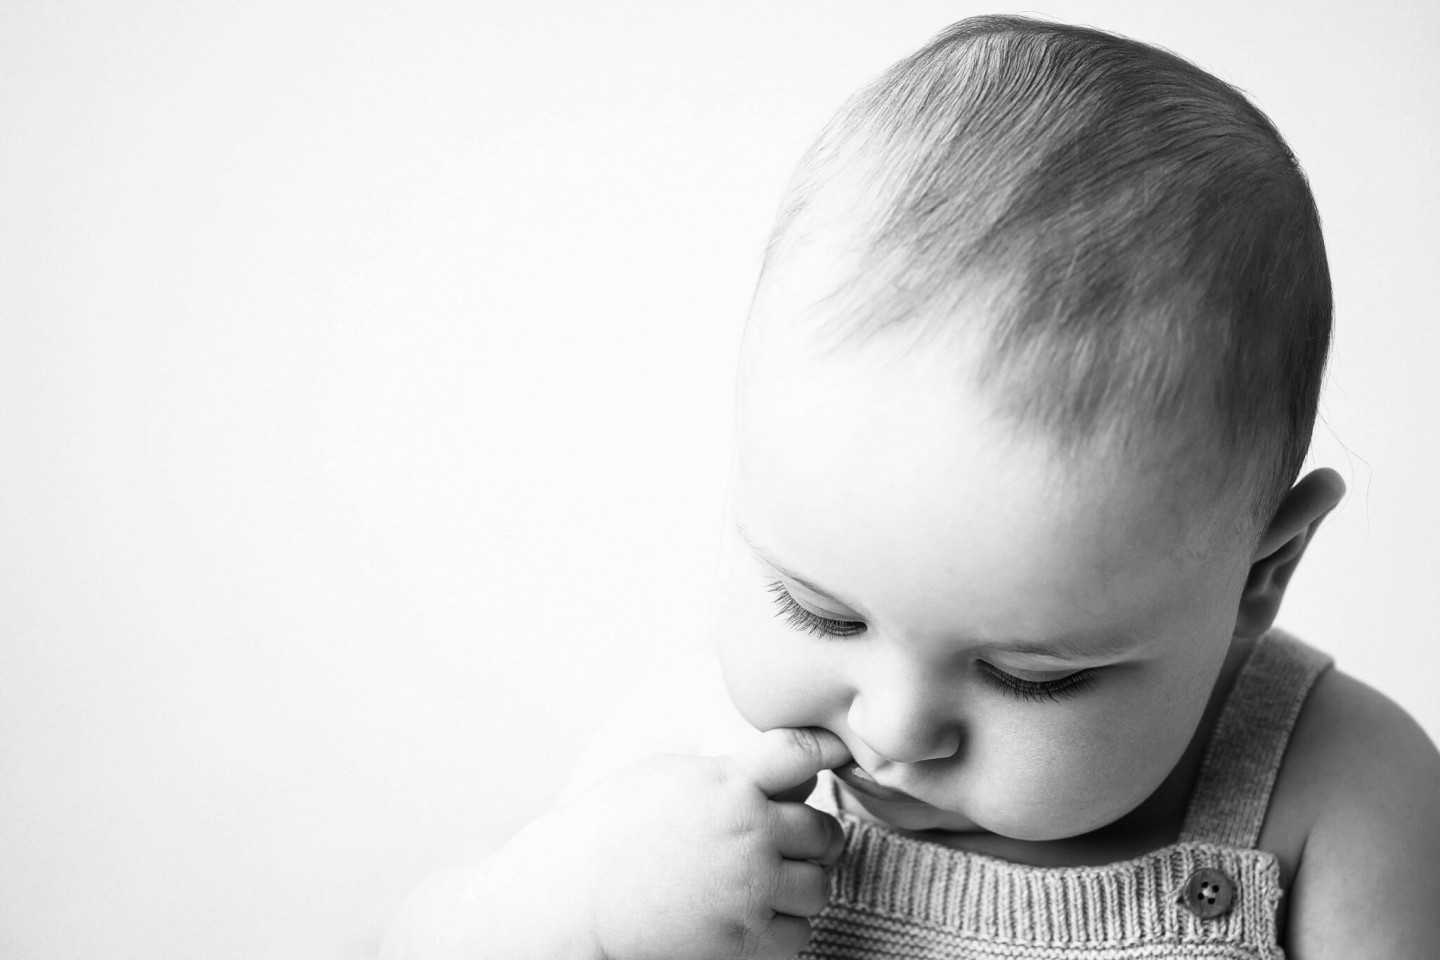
[{"x": 787, "y": 757}]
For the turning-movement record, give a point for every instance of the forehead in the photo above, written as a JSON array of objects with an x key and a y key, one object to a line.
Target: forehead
[{"x": 883, "y": 475}]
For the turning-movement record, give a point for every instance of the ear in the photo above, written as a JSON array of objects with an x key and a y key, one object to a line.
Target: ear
[{"x": 1282, "y": 546}]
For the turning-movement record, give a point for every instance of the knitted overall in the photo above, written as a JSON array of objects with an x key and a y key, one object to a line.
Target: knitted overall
[{"x": 1211, "y": 894}]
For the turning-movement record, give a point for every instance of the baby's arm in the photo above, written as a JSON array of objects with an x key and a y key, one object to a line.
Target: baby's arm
[
  {"x": 642, "y": 846},
  {"x": 1368, "y": 882},
  {"x": 455, "y": 914},
  {"x": 710, "y": 858}
]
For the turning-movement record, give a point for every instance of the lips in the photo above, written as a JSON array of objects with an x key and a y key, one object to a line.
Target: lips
[{"x": 861, "y": 782}]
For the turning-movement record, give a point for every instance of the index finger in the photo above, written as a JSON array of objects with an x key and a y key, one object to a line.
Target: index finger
[{"x": 788, "y": 756}]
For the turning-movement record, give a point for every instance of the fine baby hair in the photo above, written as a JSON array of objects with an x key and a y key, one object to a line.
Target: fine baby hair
[{"x": 1137, "y": 248}]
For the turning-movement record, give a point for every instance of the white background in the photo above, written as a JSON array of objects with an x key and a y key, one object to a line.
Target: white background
[{"x": 365, "y": 384}]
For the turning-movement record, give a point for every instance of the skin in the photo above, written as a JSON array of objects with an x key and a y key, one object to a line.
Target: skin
[
  {"x": 948, "y": 544},
  {"x": 883, "y": 493},
  {"x": 957, "y": 543}
]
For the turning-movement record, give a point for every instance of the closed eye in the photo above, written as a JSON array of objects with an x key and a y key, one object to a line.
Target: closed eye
[
  {"x": 805, "y": 621},
  {"x": 798, "y": 618},
  {"x": 1011, "y": 685}
]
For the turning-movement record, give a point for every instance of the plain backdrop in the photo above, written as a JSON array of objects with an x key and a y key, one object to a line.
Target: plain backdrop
[{"x": 365, "y": 384}]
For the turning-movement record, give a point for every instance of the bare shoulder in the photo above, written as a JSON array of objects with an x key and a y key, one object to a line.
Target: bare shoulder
[{"x": 1357, "y": 804}]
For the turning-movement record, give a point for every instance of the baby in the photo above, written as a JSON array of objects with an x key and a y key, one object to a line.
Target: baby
[{"x": 1028, "y": 381}]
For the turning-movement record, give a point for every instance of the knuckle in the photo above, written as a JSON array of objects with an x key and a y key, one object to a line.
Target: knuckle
[
  {"x": 790, "y": 935},
  {"x": 741, "y": 821},
  {"x": 740, "y": 929},
  {"x": 803, "y": 740},
  {"x": 759, "y": 886},
  {"x": 739, "y": 938},
  {"x": 728, "y": 769}
]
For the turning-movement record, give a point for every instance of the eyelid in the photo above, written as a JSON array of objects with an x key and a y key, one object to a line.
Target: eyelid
[
  {"x": 807, "y": 621},
  {"x": 1067, "y": 686}
]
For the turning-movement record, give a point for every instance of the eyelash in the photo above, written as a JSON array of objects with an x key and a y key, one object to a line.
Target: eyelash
[
  {"x": 798, "y": 618},
  {"x": 1052, "y": 690},
  {"x": 806, "y": 622}
]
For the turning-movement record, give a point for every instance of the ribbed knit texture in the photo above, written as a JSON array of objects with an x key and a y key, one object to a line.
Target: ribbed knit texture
[
  {"x": 1243, "y": 757},
  {"x": 892, "y": 896}
]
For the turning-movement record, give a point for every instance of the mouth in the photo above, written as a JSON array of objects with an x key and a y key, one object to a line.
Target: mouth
[{"x": 854, "y": 777}]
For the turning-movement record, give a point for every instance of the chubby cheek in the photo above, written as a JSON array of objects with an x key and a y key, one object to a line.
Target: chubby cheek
[
  {"x": 776, "y": 676},
  {"x": 1054, "y": 790},
  {"x": 1071, "y": 774},
  {"x": 762, "y": 692}
]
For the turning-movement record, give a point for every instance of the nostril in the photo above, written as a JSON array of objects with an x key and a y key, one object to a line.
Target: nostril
[{"x": 899, "y": 753}]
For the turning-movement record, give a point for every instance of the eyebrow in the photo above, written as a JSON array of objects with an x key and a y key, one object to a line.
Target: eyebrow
[
  {"x": 1059, "y": 648},
  {"x": 784, "y": 571}
]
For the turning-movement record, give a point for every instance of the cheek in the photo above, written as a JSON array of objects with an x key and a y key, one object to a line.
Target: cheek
[
  {"x": 776, "y": 676},
  {"x": 1068, "y": 775}
]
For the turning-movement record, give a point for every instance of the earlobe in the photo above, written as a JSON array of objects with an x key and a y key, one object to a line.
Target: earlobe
[{"x": 1282, "y": 546}]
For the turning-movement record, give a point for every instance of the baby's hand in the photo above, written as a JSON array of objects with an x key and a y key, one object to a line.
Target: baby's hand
[{"x": 691, "y": 858}]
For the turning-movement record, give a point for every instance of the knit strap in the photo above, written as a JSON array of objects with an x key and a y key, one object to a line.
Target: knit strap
[{"x": 1248, "y": 743}]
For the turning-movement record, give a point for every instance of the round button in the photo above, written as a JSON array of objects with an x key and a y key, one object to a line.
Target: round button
[{"x": 1208, "y": 893}]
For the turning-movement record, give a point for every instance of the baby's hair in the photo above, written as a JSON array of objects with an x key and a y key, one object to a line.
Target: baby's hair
[{"x": 1140, "y": 249}]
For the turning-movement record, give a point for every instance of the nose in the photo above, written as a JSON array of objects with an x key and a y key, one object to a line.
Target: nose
[{"x": 906, "y": 720}]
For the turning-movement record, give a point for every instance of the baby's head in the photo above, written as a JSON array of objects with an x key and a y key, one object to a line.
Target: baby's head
[{"x": 1029, "y": 377}]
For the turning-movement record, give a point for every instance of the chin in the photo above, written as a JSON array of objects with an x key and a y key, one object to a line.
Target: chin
[
  {"x": 1058, "y": 828},
  {"x": 915, "y": 816},
  {"x": 924, "y": 816},
  {"x": 912, "y": 817}
]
